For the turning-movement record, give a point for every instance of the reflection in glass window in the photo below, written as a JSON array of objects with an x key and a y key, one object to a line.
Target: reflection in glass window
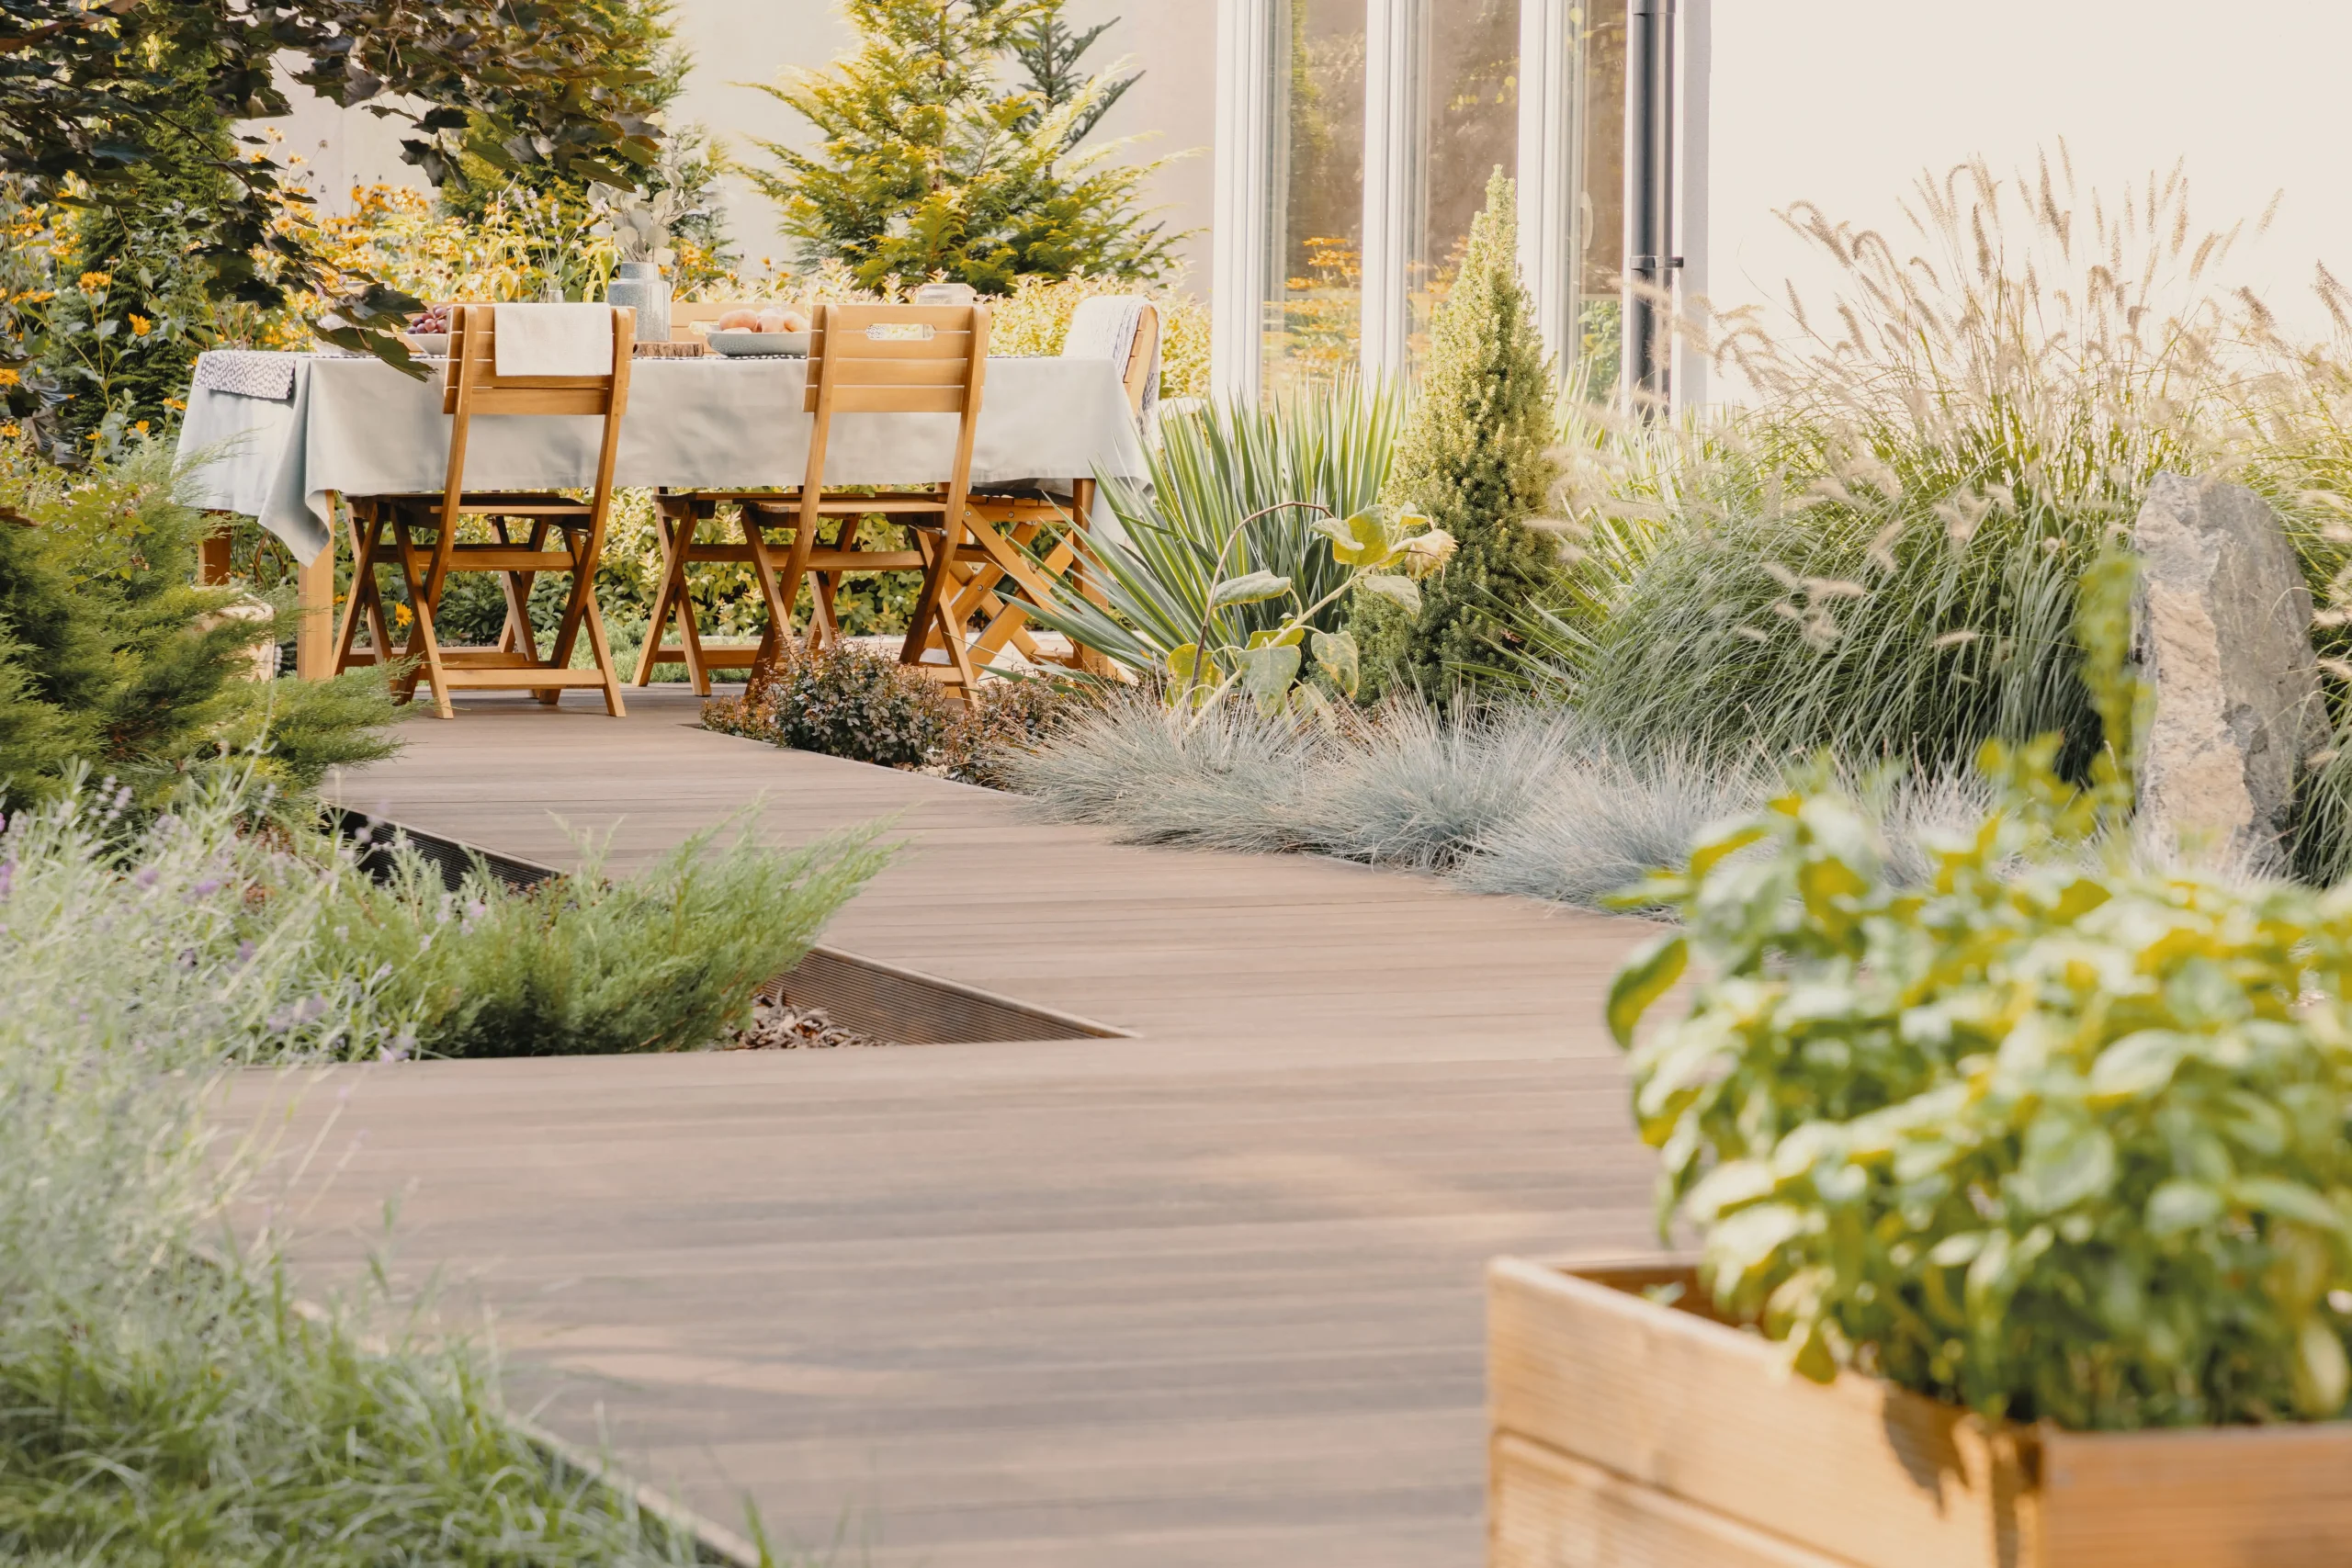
[
  {"x": 1315, "y": 281},
  {"x": 1469, "y": 109},
  {"x": 1601, "y": 210}
]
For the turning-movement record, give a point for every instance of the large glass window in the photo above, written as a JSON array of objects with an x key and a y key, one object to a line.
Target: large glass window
[
  {"x": 1314, "y": 274},
  {"x": 1468, "y": 51},
  {"x": 1601, "y": 204}
]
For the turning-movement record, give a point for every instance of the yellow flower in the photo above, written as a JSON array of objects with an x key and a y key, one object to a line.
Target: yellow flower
[
  {"x": 9, "y": 378},
  {"x": 10, "y": 431},
  {"x": 139, "y": 325},
  {"x": 92, "y": 282},
  {"x": 175, "y": 403},
  {"x": 141, "y": 427}
]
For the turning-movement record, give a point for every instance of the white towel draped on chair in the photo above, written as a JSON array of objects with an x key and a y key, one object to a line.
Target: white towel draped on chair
[
  {"x": 1104, "y": 327},
  {"x": 554, "y": 340}
]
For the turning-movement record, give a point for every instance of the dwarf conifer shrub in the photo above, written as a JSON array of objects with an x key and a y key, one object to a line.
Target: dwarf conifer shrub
[
  {"x": 110, "y": 657},
  {"x": 1473, "y": 459}
]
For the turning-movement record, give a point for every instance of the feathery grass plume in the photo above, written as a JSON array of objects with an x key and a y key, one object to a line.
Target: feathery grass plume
[
  {"x": 1474, "y": 457},
  {"x": 2293, "y": 436},
  {"x": 1219, "y": 470},
  {"x": 162, "y": 1401},
  {"x": 1882, "y": 555}
]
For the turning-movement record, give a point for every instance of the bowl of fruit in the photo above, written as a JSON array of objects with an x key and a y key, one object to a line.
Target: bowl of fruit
[
  {"x": 752, "y": 333},
  {"x": 428, "y": 331}
]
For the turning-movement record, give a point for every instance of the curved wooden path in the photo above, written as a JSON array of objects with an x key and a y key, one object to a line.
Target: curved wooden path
[{"x": 1209, "y": 1295}]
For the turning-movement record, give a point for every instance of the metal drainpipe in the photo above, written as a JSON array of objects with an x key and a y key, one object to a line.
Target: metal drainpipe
[{"x": 1648, "y": 340}]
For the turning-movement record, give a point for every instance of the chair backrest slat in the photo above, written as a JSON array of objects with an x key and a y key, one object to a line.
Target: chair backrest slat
[
  {"x": 473, "y": 374},
  {"x": 900, "y": 357}
]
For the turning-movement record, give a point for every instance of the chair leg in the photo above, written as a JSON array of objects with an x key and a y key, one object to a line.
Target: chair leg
[
  {"x": 421, "y": 637},
  {"x": 363, "y": 589},
  {"x": 824, "y": 626},
  {"x": 580, "y": 611},
  {"x": 594, "y": 619},
  {"x": 670, "y": 529}
]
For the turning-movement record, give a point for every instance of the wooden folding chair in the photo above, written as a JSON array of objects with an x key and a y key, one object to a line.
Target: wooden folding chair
[
  {"x": 1006, "y": 526},
  {"x": 863, "y": 359},
  {"x": 387, "y": 529}
]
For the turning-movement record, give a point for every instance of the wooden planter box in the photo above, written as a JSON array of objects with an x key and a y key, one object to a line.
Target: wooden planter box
[{"x": 1625, "y": 1434}]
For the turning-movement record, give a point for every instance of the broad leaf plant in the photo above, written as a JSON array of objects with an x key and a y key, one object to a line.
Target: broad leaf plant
[
  {"x": 2054, "y": 1136},
  {"x": 1383, "y": 550}
]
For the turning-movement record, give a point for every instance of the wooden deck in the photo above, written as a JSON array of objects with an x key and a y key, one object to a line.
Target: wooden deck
[{"x": 1209, "y": 1295}]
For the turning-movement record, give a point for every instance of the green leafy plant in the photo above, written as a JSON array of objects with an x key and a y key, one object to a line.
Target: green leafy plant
[
  {"x": 2051, "y": 1137},
  {"x": 1381, "y": 553},
  {"x": 842, "y": 700},
  {"x": 926, "y": 166},
  {"x": 110, "y": 657},
  {"x": 664, "y": 960},
  {"x": 846, "y": 700},
  {"x": 1238, "y": 486},
  {"x": 164, "y": 1399},
  {"x": 1474, "y": 456},
  {"x": 95, "y": 97}
]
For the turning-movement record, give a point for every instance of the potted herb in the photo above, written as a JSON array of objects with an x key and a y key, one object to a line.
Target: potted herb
[{"x": 2024, "y": 1199}]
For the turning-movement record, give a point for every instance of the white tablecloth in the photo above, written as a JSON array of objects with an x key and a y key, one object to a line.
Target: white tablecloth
[{"x": 358, "y": 427}]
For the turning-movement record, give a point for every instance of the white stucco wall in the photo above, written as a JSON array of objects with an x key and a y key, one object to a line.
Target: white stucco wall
[{"x": 1844, "y": 102}]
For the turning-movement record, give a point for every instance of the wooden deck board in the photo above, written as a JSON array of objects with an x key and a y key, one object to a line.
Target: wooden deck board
[{"x": 1206, "y": 1296}]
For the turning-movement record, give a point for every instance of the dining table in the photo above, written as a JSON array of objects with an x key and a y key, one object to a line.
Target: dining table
[{"x": 281, "y": 436}]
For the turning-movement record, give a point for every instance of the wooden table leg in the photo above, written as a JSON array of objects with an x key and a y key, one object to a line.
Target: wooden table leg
[{"x": 315, "y": 633}]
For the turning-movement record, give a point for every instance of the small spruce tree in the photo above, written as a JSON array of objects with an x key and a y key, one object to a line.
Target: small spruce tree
[
  {"x": 111, "y": 657},
  {"x": 926, "y": 165},
  {"x": 1474, "y": 457}
]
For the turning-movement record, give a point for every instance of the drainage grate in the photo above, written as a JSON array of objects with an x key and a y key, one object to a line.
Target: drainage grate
[{"x": 880, "y": 1001}]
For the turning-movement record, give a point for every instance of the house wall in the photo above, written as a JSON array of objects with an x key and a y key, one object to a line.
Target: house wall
[{"x": 1843, "y": 103}]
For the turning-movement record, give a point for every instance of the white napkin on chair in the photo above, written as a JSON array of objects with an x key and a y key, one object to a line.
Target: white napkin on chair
[
  {"x": 555, "y": 340},
  {"x": 1104, "y": 327}
]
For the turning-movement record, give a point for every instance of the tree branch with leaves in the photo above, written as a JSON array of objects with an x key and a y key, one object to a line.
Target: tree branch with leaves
[{"x": 88, "y": 92}]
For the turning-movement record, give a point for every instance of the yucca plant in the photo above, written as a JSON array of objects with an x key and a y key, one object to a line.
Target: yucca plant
[{"x": 1238, "y": 485}]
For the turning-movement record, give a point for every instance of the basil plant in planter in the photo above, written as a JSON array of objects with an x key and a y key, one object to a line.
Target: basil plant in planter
[{"x": 2052, "y": 1137}]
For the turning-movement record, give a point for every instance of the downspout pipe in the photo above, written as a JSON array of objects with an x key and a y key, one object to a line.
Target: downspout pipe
[{"x": 1650, "y": 261}]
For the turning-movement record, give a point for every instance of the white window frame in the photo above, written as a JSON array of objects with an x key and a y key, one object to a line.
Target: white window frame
[{"x": 1550, "y": 162}]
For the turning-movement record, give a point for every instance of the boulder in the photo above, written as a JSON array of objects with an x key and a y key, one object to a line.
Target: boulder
[{"x": 2225, "y": 640}]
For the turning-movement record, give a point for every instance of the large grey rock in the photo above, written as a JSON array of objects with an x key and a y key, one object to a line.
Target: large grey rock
[{"x": 2225, "y": 638}]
